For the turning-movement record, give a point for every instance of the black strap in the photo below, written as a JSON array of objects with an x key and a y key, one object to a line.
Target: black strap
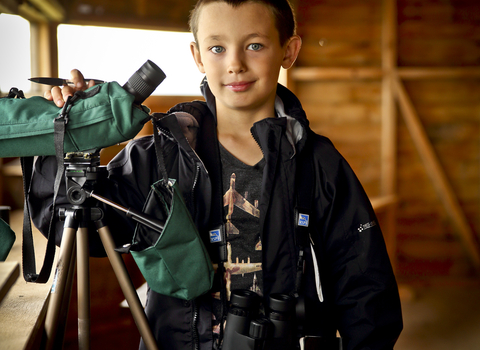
[
  {"x": 305, "y": 189},
  {"x": 305, "y": 184},
  {"x": 162, "y": 169},
  {"x": 28, "y": 255},
  {"x": 28, "y": 249}
]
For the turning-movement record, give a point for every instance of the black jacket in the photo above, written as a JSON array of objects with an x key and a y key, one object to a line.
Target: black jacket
[{"x": 356, "y": 283}]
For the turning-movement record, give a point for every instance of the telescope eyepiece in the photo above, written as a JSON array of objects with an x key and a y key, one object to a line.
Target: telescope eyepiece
[{"x": 144, "y": 81}]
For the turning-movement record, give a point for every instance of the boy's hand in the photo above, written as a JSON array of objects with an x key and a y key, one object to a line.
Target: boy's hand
[{"x": 60, "y": 94}]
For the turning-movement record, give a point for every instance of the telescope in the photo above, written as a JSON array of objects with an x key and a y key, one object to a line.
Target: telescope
[{"x": 102, "y": 116}]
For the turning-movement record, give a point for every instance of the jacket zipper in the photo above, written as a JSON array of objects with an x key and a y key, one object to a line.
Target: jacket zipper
[
  {"x": 195, "y": 181},
  {"x": 254, "y": 135},
  {"x": 196, "y": 340}
]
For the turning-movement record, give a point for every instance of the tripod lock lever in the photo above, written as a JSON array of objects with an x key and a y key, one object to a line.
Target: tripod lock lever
[{"x": 136, "y": 215}]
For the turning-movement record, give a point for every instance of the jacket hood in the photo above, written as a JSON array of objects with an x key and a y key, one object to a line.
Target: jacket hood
[{"x": 287, "y": 106}]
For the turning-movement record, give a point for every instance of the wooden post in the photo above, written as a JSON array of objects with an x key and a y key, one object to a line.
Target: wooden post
[{"x": 388, "y": 176}]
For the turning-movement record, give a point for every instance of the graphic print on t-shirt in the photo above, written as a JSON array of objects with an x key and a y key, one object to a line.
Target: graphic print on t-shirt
[
  {"x": 231, "y": 199},
  {"x": 243, "y": 269},
  {"x": 244, "y": 247}
]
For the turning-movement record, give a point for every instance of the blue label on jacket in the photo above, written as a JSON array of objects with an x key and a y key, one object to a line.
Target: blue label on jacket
[
  {"x": 215, "y": 236},
  {"x": 303, "y": 220}
]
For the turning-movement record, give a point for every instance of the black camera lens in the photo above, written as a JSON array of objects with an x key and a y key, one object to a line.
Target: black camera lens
[{"x": 144, "y": 81}]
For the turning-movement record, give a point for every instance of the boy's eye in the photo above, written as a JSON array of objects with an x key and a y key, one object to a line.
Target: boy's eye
[
  {"x": 255, "y": 47},
  {"x": 217, "y": 49}
]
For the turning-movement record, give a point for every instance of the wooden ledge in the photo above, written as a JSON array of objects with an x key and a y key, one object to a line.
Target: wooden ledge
[{"x": 23, "y": 309}]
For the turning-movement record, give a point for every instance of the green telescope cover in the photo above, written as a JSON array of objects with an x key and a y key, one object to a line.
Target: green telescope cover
[{"x": 106, "y": 118}]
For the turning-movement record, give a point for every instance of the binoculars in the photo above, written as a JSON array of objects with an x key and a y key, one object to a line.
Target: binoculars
[{"x": 246, "y": 329}]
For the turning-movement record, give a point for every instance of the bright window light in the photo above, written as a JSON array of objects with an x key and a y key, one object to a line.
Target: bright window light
[
  {"x": 15, "y": 68},
  {"x": 114, "y": 54}
]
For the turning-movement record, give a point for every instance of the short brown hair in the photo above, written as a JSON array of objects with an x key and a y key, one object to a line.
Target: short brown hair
[{"x": 281, "y": 9}]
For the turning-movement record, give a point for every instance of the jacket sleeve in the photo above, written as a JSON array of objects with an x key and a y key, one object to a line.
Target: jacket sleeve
[{"x": 361, "y": 280}]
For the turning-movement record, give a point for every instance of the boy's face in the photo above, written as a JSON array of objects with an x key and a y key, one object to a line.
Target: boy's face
[{"x": 239, "y": 50}]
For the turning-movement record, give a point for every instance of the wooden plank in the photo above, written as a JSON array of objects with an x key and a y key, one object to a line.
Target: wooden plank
[
  {"x": 9, "y": 272},
  {"x": 51, "y": 8},
  {"x": 445, "y": 93},
  {"x": 336, "y": 73},
  {"x": 350, "y": 113},
  {"x": 439, "y": 72},
  {"x": 339, "y": 12},
  {"x": 31, "y": 13},
  {"x": 431, "y": 249},
  {"x": 372, "y": 73},
  {"x": 436, "y": 173},
  {"x": 426, "y": 52},
  {"x": 413, "y": 29},
  {"x": 23, "y": 309},
  {"x": 338, "y": 92},
  {"x": 339, "y": 53},
  {"x": 9, "y": 6},
  {"x": 369, "y": 31}
]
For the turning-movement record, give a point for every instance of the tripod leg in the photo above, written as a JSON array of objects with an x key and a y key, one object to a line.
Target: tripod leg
[
  {"x": 83, "y": 288},
  {"x": 59, "y": 287},
  {"x": 129, "y": 291},
  {"x": 67, "y": 296}
]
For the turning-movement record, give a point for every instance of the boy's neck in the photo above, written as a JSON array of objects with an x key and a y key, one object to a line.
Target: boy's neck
[
  {"x": 241, "y": 120},
  {"x": 233, "y": 129}
]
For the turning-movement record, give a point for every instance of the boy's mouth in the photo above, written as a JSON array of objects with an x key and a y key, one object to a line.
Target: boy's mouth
[{"x": 239, "y": 86}]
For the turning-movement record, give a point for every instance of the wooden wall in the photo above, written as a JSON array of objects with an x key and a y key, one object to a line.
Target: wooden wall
[
  {"x": 339, "y": 79},
  {"x": 347, "y": 69}
]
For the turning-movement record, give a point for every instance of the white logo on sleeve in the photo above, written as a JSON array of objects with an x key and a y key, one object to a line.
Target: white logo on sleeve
[{"x": 366, "y": 226}]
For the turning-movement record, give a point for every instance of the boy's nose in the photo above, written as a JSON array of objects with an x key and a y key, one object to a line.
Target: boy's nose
[{"x": 236, "y": 63}]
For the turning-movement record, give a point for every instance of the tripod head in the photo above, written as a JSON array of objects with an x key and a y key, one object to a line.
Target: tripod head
[{"x": 82, "y": 172}]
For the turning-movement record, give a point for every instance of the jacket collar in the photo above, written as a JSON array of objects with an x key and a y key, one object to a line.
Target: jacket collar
[{"x": 287, "y": 106}]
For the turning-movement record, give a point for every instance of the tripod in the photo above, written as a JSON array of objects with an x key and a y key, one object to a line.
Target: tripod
[{"x": 82, "y": 171}]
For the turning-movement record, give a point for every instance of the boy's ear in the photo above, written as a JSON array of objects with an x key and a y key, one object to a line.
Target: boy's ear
[
  {"x": 292, "y": 48},
  {"x": 197, "y": 57}
]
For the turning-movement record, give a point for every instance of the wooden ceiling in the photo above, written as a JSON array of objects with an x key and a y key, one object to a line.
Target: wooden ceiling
[
  {"x": 164, "y": 14},
  {"x": 152, "y": 14}
]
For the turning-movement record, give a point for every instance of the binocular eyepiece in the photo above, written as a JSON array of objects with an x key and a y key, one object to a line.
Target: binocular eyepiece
[{"x": 247, "y": 329}]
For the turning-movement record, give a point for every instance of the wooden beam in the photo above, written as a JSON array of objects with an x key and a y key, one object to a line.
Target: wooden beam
[
  {"x": 9, "y": 6},
  {"x": 51, "y": 9},
  {"x": 439, "y": 73},
  {"x": 372, "y": 73},
  {"x": 336, "y": 73},
  {"x": 436, "y": 173},
  {"x": 32, "y": 14}
]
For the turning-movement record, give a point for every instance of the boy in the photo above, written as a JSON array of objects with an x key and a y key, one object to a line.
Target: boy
[{"x": 258, "y": 131}]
